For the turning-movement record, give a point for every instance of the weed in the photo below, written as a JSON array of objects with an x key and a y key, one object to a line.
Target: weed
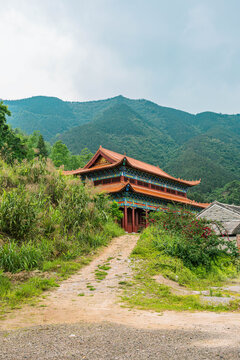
[
  {"x": 122, "y": 282},
  {"x": 5, "y": 285},
  {"x": 125, "y": 283},
  {"x": 91, "y": 287},
  {"x": 104, "y": 267},
  {"x": 100, "y": 275}
]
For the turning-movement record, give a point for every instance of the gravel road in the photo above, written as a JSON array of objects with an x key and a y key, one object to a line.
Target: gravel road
[{"x": 112, "y": 342}]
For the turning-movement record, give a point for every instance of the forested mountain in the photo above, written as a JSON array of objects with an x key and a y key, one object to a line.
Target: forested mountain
[{"x": 206, "y": 145}]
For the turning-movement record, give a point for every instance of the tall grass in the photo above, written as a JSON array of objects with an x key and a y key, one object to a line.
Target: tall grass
[
  {"x": 18, "y": 211},
  {"x": 44, "y": 216}
]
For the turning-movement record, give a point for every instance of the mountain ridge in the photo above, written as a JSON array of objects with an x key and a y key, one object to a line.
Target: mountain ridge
[{"x": 204, "y": 145}]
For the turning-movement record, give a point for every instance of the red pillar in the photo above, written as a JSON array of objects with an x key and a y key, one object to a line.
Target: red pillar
[
  {"x": 133, "y": 220},
  {"x": 125, "y": 218}
]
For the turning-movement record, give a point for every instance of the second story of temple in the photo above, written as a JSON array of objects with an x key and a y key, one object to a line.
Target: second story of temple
[{"x": 112, "y": 170}]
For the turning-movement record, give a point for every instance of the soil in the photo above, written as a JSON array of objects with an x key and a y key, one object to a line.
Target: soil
[{"x": 82, "y": 300}]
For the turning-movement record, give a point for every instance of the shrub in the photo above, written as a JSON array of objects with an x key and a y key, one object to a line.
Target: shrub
[
  {"x": 8, "y": 178},
  {"x": 18, "y": 213},
  {"x": 180, "y": 234},
  {"x": 32, "y": 171},
  {"x": 49, "y": 216}
]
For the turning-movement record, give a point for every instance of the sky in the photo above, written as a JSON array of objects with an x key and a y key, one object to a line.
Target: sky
[{"x": 183, "y": 54}]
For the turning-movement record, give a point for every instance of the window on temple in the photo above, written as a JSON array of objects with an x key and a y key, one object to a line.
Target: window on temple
[
  {"x": 107, "y": 181},
  {"x": 180, "y": 193},
  {"x": 116, "y": 179}
]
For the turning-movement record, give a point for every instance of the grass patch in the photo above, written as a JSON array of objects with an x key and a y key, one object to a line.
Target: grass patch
[
  {"x": 146, "y": 293},
  {"x": 100, "y": 275},
  {"x": 105, "y": 267},
  {"x": 101, "y": 271},
  {"x": 91, "y": 287},
  {"x": 26, "y": 292},
  {"x": 14, "y": 294},
  {"x": 63, "y": 268}
]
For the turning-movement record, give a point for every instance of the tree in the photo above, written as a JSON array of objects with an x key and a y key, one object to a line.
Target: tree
[
  {"x": 78, "y": 161},
  {"x": 85, "y": 156},
  {"x": 41, "y": 147},
  {"x": 60, "y": 154},
  {"x": 11, "y": 146}
]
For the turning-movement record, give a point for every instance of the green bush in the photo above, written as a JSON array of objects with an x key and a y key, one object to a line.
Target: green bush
[
  {"x": 181, "y": 234},
  {"x": 32, "y": 171},
  {"x": 50, "y": 216},
  {"x": 8, "y": 178},
  {"x": 18, "y": 213},
  {"x": 198, "y": 278}
]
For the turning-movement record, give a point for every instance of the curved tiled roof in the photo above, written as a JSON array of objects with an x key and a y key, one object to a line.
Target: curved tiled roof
[
  {"x": 117, "y": 158},
  {"x": 112, "y": 188}
]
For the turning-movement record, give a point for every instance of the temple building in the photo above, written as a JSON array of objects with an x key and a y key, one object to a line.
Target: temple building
[{"x": 136, "y": 186}]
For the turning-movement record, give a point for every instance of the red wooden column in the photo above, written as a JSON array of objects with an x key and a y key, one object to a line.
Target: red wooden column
[
  {"x": 133, "y": 219},
  {"x": 125, "y": 218}
]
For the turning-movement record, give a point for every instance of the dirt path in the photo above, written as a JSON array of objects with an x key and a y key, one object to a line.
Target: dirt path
[{"x": 100, "y": 303}]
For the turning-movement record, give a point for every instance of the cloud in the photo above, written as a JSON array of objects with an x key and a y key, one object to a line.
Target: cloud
[{"x": 181, "y": 54}]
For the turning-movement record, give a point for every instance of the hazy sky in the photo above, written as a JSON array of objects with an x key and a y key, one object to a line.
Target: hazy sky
[{"x": 178, "y": 53}]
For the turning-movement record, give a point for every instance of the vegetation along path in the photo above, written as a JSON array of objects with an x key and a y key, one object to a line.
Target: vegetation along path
[{"x": 85, "y": 311}]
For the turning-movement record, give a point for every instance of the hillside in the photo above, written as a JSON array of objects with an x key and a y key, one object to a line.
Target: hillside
[
  {"x": 205, "y": 145},
  {"x": 123, "y": 130}
]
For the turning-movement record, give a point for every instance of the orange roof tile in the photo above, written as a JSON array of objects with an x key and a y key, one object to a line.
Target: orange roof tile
[
  {"x": 111, "y": 188},
  {"x": 137, "y": 164}
]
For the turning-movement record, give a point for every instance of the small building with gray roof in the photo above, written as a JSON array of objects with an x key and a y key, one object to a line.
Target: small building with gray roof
[{"x": 227, "y": 215}]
